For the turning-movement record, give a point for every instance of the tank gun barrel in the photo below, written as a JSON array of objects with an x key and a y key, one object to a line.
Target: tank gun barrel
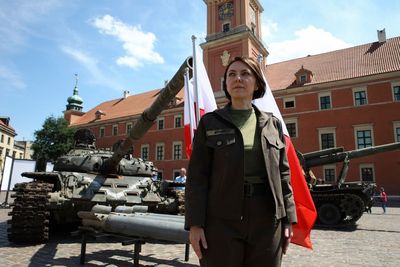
[
  {"x": 146, "y": 120},
  {"x": 320, "y": 158}
]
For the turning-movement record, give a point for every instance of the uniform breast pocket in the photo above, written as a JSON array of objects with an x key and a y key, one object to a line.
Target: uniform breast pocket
[
  {"x": 220, "y": 138},
  {"x": 274, "y": 142}
]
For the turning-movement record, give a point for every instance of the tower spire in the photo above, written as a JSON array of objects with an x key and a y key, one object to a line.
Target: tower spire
[{"x": 75, "y": 101}]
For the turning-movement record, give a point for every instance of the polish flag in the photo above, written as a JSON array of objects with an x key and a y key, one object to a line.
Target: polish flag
[
  {"x": 305, "y": 209},
  {"x": 205, "y": 98}
]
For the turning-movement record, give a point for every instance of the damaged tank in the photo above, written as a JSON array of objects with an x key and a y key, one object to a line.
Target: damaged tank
[
  {"x": 87, "y": 176},
  {"x": 340, "y": 202}
]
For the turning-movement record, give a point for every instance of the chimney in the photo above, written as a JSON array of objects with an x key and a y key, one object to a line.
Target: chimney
[
  {"x": 381, "y": 35},
  {"x": 126, "y": 94}
]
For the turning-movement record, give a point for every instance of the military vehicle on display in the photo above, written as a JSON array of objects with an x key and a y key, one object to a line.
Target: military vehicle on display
[
  {"x": 87, "y": 176},
  {"x": 340, "y": 202}
]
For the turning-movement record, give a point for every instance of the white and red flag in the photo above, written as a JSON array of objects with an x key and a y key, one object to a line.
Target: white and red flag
[
  {"x": 203, "y": 103},
  {"x": 305, "y": 209}
]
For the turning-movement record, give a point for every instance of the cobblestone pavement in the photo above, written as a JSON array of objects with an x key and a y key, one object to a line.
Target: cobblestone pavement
[{"x": 375, "y": 241}]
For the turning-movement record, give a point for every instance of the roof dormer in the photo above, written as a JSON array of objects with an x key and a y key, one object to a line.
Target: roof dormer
[{"x": 303, "y": 76}]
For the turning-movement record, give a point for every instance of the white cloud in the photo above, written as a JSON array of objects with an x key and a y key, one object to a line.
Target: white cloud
[
  {"x": 268, "y": 29},
  {"x": 139, "y": 45},
  {"x": 92, "y": 65},
  {"x": 308, "y": 41},
  {"x": 11, "y": 78}
]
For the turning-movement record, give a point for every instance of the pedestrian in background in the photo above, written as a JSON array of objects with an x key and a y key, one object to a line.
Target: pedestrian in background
[
  {"x": 239, "y": 202},
  {"x": 384, "y": 199}
]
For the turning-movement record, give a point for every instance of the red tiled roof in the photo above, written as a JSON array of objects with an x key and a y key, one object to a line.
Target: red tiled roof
[
  {"x": 353, "y": 62},
  {"x": 122, "y": 107},
  {"x": 5, "y": 126}
]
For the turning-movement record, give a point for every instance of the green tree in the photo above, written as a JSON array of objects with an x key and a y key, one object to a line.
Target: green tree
[{"x": 53, "y": 140}]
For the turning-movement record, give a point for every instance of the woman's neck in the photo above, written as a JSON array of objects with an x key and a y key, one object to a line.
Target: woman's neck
[{"x": 241, "y": 104}]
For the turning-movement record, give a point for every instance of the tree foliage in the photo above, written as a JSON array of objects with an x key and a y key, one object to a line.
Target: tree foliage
[{"x": 53, "y": 140}]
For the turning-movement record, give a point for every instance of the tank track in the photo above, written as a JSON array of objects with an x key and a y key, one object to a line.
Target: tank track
[
  {"x": 30, "y": 216},
  {"x": 349, "y": 205}
]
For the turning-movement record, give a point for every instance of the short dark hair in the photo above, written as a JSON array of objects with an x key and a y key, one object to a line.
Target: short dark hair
[{"x": 255, "y": 68}]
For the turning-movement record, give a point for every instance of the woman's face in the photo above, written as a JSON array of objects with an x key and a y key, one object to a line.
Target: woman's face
[{"x": 240, "y": 82}]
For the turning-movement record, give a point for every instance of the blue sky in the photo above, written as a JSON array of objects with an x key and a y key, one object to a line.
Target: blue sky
[{"x": 136, "y": 45}]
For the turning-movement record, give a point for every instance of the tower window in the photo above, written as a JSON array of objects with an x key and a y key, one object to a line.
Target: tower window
[{"x": 226, "y": 27}]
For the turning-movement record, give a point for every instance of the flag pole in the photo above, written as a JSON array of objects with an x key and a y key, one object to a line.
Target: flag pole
[{"x": 196, "y": 93}]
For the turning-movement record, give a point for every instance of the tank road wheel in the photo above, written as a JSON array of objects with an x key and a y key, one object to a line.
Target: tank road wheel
[
  {"x": 329, "y": 214},
  {"x": 30, "y": 217},
  {"x": 353, "y": 207},
  {"x": 180, "y": 194}
]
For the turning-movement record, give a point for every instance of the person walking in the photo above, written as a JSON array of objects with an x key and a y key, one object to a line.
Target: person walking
[
  {"x": 239, "y": 205},
  {"x": 384, "y": 199}
]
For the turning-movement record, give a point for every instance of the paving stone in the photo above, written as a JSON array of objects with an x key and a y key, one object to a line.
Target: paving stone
[{"x": 375, "y": 241}]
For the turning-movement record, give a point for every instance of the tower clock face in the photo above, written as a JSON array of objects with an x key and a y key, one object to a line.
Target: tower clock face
[{"x": 225, "y": 11}]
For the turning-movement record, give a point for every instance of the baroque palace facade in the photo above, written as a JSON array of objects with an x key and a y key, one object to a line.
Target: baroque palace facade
[{"x": 346, "y": 98}]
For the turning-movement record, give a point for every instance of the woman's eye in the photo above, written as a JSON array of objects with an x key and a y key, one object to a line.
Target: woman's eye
[{"x": 232, "y": 74}]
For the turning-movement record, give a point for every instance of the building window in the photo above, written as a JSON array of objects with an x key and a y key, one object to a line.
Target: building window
[
  {"x": 360, "y": 97},
  {"x": 226, "y": 27},
  {"x": 325, "y": 101},
  {"x": 160, "y": 123},
  {"x": 327, "y": 138},
  {"x": 7, "y": 152},
  {"x": 115, "y": 130},
  {"x": 160, "y": 175},
  {"x": 21, "y": 155},
  {"x": 363, "y": 136},
  {"x": 1, "y": 154},
  {"x": 291, "y": 126},
  {"x": 14, "y": 154},
  {"x": 178, "y": 121},
  {"x": 303, "y": 78},
  {"x": 102, "y": 132},
  {"x": 396, "y": 93},
  {"x": 129, "y": 127},
  {"x": 144, "y": 152},
  {"x": 396, "y": 131},
  {"x": 2, "y": 138},
  {"x": 289, "y": 102},
  {"x": 327, "y": 141},
  {"x": 367, "y": 173},
  {"x": 329, "y": 174},
  {"x": 160, "y": 152},
  {"x": 8, "y": 140},
  {"x": 177, "y": 150}
]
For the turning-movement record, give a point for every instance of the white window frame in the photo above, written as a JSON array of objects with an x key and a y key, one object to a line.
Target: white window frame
[
  {"x": 112, "y": 130},
  {"x": 148, "y": 151},
  {"x": 127, "y": 127},
  {"x": 394, "y": 84},
  {"x": 173, "y": 150},
  {"x": 163, "y": 149},
  {"x": 363, "y": 127},
  {"x": 102, "y": 131},
  {"x": 178, "y": 116},
  {"x": 360, "y": 89},
  {"x": 292, "y": 120},
  {"x": 396, "y": 124},
  {"x": 158, "y": 123},
  {"x": 289, "y": 99},
  {"x": 326, "y": 130},
  {"x": 160, "y": 174},
  {"x": 175, "y": 173},
  {"x": 323, "y": 95},
  {"x": 331, "y": 166},
  {"x": 367, "y": 165}
]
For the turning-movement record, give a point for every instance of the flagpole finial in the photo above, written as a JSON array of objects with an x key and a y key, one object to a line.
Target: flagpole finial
[{"x": 194, "y": 37}]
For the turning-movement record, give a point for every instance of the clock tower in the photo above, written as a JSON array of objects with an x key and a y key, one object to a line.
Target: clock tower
[{"x": 233, "y": 29}]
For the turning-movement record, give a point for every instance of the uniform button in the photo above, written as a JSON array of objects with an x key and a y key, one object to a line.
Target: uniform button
[{"x": 219, "y": 143}]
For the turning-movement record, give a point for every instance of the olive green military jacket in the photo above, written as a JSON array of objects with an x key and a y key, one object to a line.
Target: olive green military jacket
[{"x": 214, "y": 185}]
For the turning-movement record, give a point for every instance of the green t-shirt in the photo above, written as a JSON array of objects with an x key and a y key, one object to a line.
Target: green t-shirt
[{"x": 254, "y": 166}]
